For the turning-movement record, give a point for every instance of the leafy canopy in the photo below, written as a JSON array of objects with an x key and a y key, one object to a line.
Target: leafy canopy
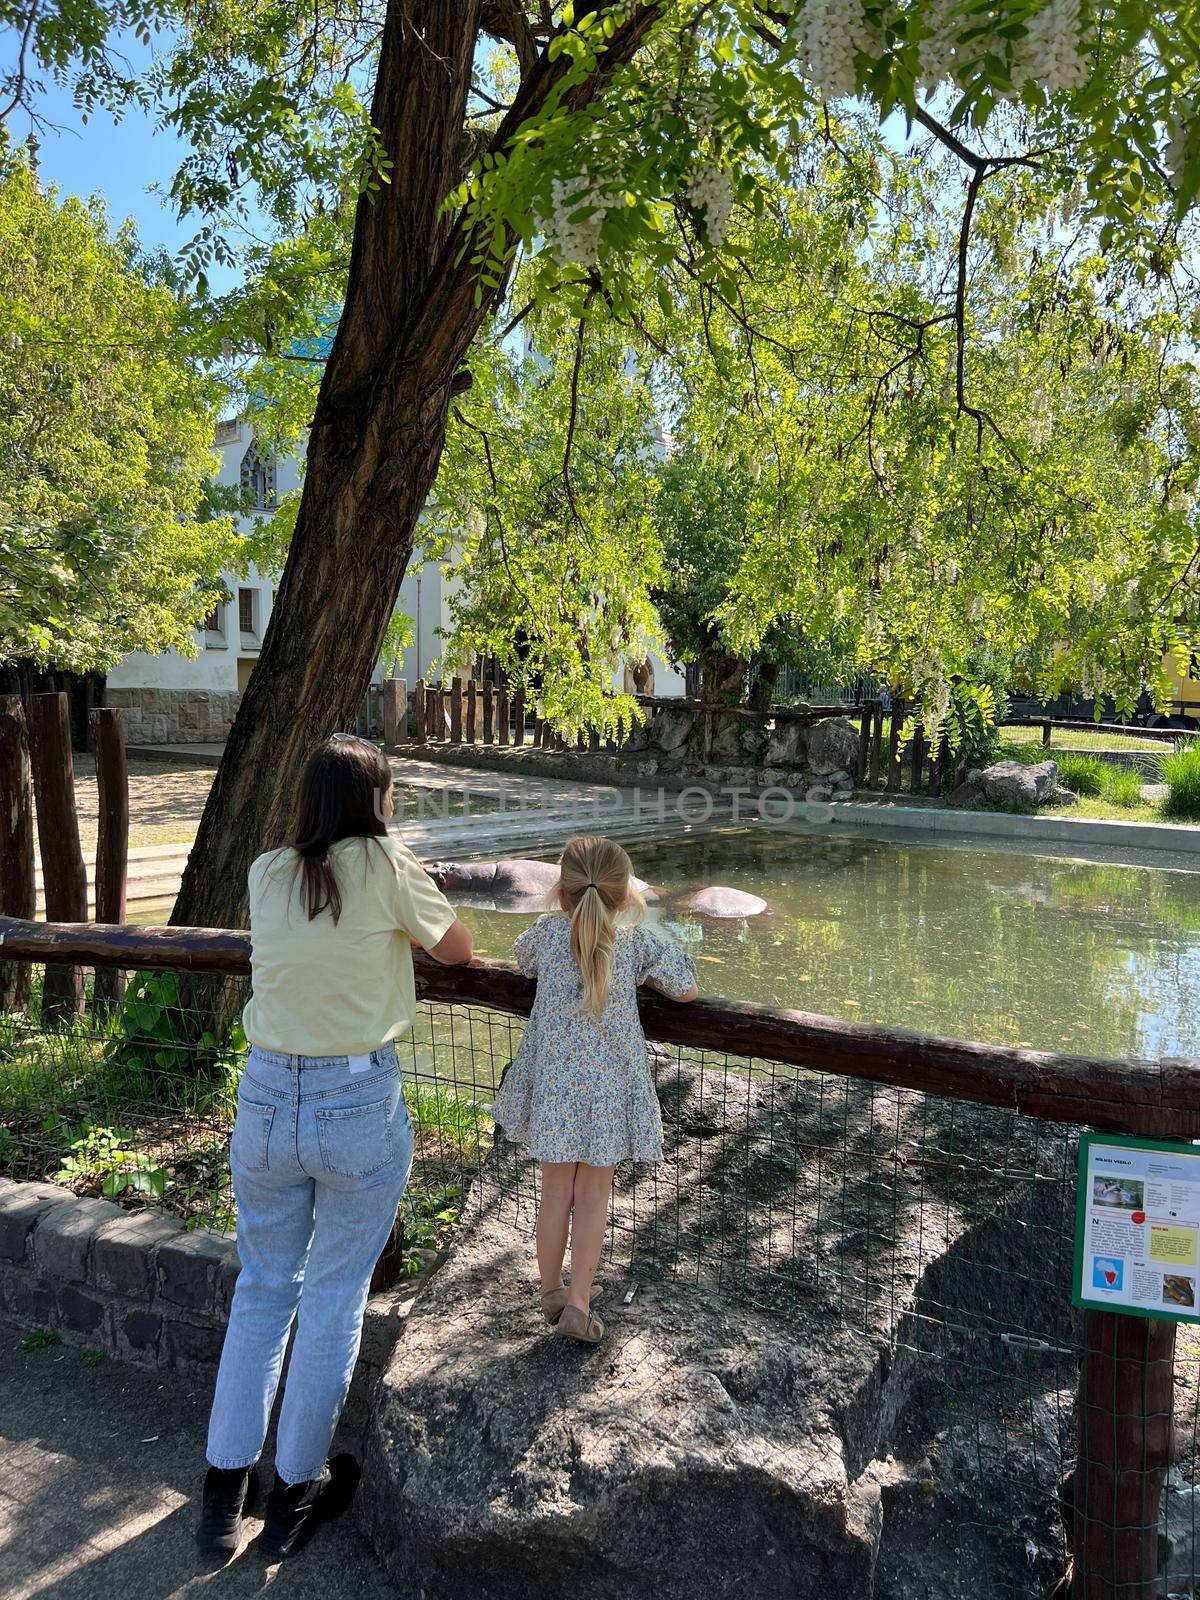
[{"x": 105, "y": 443}]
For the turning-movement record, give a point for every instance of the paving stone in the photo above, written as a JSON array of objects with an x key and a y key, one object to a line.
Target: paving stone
[
  {"x": 188, "y": 1267},
  {"x": 188, "y": 1347},
  {"x": 81, "y": 1312},
  {"x": 22, "y": 1207},
  {"x": 123, "y": 1252},
  {"x": 63, "y": 1238},
  {"x": 140, "y": 1330},
  {"x": 29, "y": 1301}
]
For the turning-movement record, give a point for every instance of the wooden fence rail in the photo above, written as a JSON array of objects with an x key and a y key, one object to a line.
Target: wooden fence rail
[{"x": 1155, "y": 1098}]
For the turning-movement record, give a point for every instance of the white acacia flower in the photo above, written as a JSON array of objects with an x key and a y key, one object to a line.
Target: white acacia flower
[
  {"x": 710, "y": 192},
  {"x": 1053, "y": 49}
]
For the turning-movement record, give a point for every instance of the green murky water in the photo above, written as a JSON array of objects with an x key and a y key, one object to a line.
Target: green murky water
[{"x": 988, "y": 944}]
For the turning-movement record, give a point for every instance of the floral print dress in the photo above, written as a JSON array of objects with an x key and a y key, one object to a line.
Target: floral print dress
[{"x": 579, "y": 1088}]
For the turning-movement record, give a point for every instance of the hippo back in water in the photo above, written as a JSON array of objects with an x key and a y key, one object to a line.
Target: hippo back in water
[
  {"x": 716, "y": 900},
  {"x": 504, "y": 885}
]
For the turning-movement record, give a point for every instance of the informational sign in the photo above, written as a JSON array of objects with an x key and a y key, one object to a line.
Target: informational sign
[{"x": 1137, "y": 1227}]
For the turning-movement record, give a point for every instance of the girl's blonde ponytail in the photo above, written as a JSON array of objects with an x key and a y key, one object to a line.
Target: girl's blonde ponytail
[{"x": 594, "y": 879}]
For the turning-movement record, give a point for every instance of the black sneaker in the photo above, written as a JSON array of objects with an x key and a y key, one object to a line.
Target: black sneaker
[
  {"x": 296, "y": 1510},
  {"x": 228, "y": 1494}
]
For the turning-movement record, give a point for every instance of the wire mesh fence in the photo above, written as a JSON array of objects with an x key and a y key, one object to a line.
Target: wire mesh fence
[{"x": 938, "y": 1231}]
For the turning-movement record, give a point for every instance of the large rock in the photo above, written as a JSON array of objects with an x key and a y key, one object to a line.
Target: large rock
[
  {"x": 707, "y": 1450},
  {"x": 787, "y": 745},
  {"x": 833, "y": 746},
  {"x": 672, "y": 727},
  {"x": 1018, "y": 787}
]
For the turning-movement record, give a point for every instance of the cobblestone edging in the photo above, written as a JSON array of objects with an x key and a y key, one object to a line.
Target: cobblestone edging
[{"x": 139, "y": 1286}]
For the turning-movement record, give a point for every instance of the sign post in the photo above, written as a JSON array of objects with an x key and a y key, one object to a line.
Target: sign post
[{"x": 1136, "y": 1269}]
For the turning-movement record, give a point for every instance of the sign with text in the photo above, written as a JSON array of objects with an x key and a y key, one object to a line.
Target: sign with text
[{"x": 1137, "y": 1227}]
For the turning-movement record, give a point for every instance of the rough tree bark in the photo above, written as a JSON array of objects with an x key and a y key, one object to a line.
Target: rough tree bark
[{"x": 377, "y": 435}]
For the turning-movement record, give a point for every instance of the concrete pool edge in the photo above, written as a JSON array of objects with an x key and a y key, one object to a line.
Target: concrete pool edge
[{"x": 1027, "y": 829}]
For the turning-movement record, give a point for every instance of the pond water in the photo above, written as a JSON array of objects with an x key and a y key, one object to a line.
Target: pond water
[{"x": 997, "y": 945}]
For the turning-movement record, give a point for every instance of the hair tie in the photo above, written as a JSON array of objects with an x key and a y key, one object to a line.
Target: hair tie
[{"x": 590, "y": 885}]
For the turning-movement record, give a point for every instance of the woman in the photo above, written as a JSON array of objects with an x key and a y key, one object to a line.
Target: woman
[{"x": 322, "y": 1143}]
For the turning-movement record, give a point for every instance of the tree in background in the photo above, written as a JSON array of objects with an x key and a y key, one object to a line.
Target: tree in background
[
  {"x": 106, "y": 454},
  {"x": 615, "y": 141}
]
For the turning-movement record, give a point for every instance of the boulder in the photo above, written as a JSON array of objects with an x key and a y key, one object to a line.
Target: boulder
[
  {"x": 1062, "y": 796},
  {"x": 779, "y": 1377},
  {"x": 969, "y": 796},
  {"x": 1018, "y": 787},
  {"x": 672, "y": 727},
  {"x": 832, "y": 746},
  {"x": 787, "y": 745}
]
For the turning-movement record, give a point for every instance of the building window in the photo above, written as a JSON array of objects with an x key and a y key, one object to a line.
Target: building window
[
  {"x": 212, "y": 622},
  {"x": 258, "y": 478},
  {"x": 247, "y": 610}
]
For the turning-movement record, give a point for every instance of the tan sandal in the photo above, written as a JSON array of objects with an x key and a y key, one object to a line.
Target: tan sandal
[
  {"x": 554, "y": 1300},
  {"x": 581, "y": 1325}
]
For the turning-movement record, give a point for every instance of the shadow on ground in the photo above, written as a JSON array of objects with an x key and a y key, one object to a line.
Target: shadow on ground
[{"x": 99, "y": 1473}]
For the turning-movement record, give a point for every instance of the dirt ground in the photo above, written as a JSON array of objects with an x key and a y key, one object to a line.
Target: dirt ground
[{"x": 165, "y": 800}]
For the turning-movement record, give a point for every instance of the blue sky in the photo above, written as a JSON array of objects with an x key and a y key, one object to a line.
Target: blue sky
[{"x": 119, "y": 160}]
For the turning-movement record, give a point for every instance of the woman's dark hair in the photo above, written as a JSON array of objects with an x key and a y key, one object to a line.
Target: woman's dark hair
[{"x": 341, "y": 797}]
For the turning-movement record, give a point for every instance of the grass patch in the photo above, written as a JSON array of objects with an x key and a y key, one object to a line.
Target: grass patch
[
  {"x": 1083, "y": 774},
  {"x": 92, "y": 1358},
  {"x": 1085, "y": 737},
  {"x": 1122, "y": 787},
  {"x": 39, "y": 1339},
  {"x": 1181, "y": 774}
]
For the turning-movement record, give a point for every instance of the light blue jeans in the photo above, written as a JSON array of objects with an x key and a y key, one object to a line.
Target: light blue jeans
[{"x": 320, "y": 1156}]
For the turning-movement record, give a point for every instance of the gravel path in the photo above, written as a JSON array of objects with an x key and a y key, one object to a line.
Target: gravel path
[{"x": 165, "y": 801}]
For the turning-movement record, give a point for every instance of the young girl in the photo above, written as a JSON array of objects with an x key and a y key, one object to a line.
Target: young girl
[
  {"x": 579, "y": 1090},
  {"x": 322, "y": 1142}
]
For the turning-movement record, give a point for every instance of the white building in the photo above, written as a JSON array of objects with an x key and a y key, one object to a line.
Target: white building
[{"x": 178, "y": 699}]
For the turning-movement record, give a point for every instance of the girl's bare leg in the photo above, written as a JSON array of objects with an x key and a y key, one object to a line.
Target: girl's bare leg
[
  {"x": 554, "y": 1220},
  {"x": 588, "y": 1222}
]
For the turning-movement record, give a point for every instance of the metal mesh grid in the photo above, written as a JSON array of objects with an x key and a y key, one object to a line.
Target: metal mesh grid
[{"x": 939, "y": 1230}]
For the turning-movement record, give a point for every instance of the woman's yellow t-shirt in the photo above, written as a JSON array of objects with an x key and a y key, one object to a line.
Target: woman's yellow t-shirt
[{"x": 322, "y": 988}]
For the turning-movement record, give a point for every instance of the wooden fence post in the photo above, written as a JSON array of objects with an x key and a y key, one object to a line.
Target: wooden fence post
[
  {"x": 434, "y": 726},
  {"x": 1124, "y": 1441},
  {"x": 395, "y": 712},
  {"x": 876, "y": 742},
  {"x": 866, "y": 717},
  {"x": 419, "y": 711},
  {"x": 893, "y": 758},
  {"x": 489, "y": 714},
  {"x": 64, "y": 876},
  {"x": 112, "y": 842},
  {"x": 502, "y": 714},
  {"x": 18, "y": 896},
  {"x": 472, "y": 728},
  {"x": 456, "y": 710},
  {"x": 935, "y": 769},
  {"x": 519, "y": 719},
  {"x": 918, "y": 759}
]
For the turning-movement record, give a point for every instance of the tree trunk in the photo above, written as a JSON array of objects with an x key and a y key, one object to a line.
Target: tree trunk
[
  {"x": 373, "y": 453},
  {"x": 414, "y": 303},
  {"x": 762, "y": 691},
  {"x": 17, "y": 894}
]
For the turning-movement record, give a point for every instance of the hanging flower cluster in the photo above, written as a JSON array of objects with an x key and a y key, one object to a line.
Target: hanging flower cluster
[
  {"x": 829, "y": 33},
  {"x": 573, "y": 237},
  {"x": 710, "y": 192},
  {"x": 1182, "y": 124},
  {"x": 1053, "y": 49}
]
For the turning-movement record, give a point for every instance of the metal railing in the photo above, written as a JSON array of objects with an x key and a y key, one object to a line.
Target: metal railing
[{"x": 874, "y": 1188}]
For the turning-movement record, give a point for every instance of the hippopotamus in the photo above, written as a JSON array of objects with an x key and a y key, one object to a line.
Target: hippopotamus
[
  {"x": 517, "y": 885},
  {"x": 716, "y": 900}
]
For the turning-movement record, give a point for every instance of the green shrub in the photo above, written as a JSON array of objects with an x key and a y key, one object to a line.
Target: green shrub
[
  {"x": 1181, "y": 774},
  {"x": 1122, "y": 786},
  {"x": 1085, "y": 775}
]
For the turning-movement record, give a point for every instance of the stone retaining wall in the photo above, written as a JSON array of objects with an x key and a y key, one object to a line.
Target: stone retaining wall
[
  {"x": 175, "y": 716},
  {"x": 139, "y": 1286}
]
